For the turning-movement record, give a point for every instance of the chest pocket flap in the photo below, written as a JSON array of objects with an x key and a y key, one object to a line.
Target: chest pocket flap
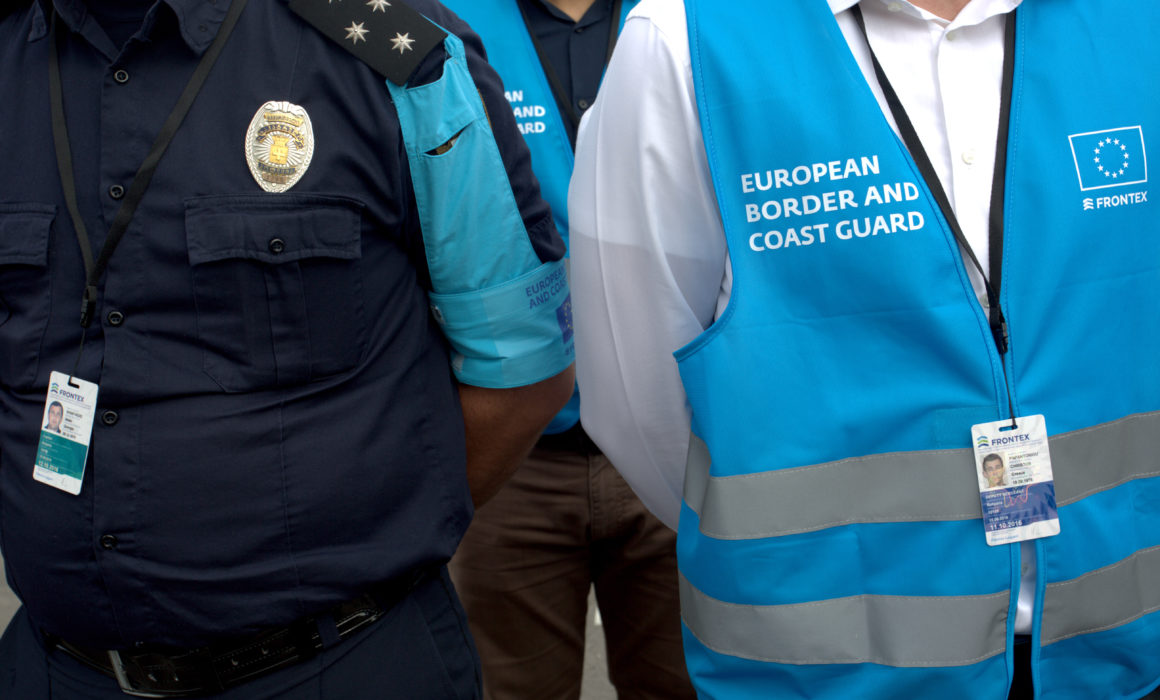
[
  {"x": 277, "y": 286},
  {"x": 25, "y": 288}
]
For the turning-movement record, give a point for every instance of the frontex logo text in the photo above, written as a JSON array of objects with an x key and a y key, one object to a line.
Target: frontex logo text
[
  {"x": 1116, "y": 200},
  {"x": 55, "y": 389}
]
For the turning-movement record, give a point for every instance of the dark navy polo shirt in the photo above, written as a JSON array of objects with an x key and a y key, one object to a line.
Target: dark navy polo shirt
[
  {"x": 278, "y": 427},
  {"x": 576, "y": 49}
]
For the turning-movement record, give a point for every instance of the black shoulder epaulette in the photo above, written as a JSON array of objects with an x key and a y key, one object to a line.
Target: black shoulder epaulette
[{"x": 387, "y": 35}]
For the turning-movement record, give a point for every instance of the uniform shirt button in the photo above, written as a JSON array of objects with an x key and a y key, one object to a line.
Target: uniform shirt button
[
  {"x": 584, "y": 104},
  {"x": 121, "y": 76},
  {"x": 110, "y": 417},
  {"x": 579, "y": 30},
  {"x": 894, "y": 6},
  {"x": 108, "y": 542},
  {"x": 951, "y": 36},
  {"x": 116, "y": 191},
  {"x": 277, "y": 245},
  {"x": 969, "y": 156},
  {"x": 115, "y": 318}
]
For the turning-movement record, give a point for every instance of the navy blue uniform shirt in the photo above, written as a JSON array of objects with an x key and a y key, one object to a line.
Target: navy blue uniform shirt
[
  {"x": 119, "y": 18},
  {"x": 278, "y": 427},
  {"x": 576, "y": 50}
]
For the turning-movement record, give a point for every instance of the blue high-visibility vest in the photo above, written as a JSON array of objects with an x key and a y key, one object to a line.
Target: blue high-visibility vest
[{"x": 831, "y": 542}]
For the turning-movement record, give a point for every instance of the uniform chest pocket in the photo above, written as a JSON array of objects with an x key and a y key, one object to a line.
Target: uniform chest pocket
[
  {"x": 277, "y": 286},
  {"x": 25, "y": 289}
]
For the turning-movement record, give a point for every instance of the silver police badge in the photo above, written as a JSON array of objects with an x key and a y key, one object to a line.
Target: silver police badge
[{"x": 279, "y": 145}]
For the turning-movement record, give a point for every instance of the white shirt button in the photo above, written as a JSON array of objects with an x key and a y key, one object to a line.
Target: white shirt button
[
  {"x": 969, "y": 156},
  {"x": 894, "y": 6},
  {"x": 952, "y": 35}
]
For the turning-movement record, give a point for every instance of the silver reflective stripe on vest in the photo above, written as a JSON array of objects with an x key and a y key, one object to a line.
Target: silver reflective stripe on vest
[
  {"x": 1104, "y": 456},
  {"x": 940, "y": 484},
  {"x": 902, "y": 631},
  {"x": 1102, "y": 599}
]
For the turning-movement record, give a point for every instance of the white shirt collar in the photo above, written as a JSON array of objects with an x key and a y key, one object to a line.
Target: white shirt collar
[{"x": 975, "y": 11}]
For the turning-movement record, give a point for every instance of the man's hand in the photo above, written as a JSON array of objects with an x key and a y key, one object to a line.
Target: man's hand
[{"x": 503, "y": 424}]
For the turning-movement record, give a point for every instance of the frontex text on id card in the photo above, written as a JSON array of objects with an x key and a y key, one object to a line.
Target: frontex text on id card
[
  {"x": 67, "y": 428},
  {"x": 1016, "y": 485}
]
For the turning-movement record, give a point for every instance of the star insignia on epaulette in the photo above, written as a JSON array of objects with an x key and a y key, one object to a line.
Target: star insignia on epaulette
[
  {"x": 402, "y": 43},
  {"x": 356, "y": 33},
  {"x": 393, "y": 42}
]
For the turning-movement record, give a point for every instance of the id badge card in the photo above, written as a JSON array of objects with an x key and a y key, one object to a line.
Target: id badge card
[
  {"x": 1015, "y": 481},
  {"x": 67, "y": 429}
]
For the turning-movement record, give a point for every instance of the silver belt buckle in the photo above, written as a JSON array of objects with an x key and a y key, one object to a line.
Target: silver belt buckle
[{"x": 127, "y": 686}]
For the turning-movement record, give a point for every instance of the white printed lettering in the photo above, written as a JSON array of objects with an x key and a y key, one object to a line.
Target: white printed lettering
[{"x": 811, "y": 173}]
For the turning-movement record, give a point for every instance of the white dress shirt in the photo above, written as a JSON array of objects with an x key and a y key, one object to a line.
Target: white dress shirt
[{"x": 650, "y": 268}]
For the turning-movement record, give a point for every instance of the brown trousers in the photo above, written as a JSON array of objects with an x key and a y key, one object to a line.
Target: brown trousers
[{"x": 566, "y": 521}]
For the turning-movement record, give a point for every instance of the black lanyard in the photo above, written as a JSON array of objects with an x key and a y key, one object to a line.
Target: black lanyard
[
  {"x": 94, "y": 269},
  {"x": 998, "y": 182},
  {"x": 554, "y": 82},
  {"x": 913, "y": 143}
]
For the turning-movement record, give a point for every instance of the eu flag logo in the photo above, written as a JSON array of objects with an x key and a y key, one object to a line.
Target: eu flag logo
[
  {"x": 564, "y": 318},
  {"x": 1111, "y": 158}
]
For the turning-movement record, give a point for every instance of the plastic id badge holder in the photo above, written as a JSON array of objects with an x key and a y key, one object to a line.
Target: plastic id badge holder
[
  {"x": 1016, "y": 486},
  {"x": 66, "y": 431}
]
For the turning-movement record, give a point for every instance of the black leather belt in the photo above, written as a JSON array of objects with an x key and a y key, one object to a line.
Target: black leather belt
[
  {"x": 573, "y": 439},
  {"x": 170, "y": 673}
]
